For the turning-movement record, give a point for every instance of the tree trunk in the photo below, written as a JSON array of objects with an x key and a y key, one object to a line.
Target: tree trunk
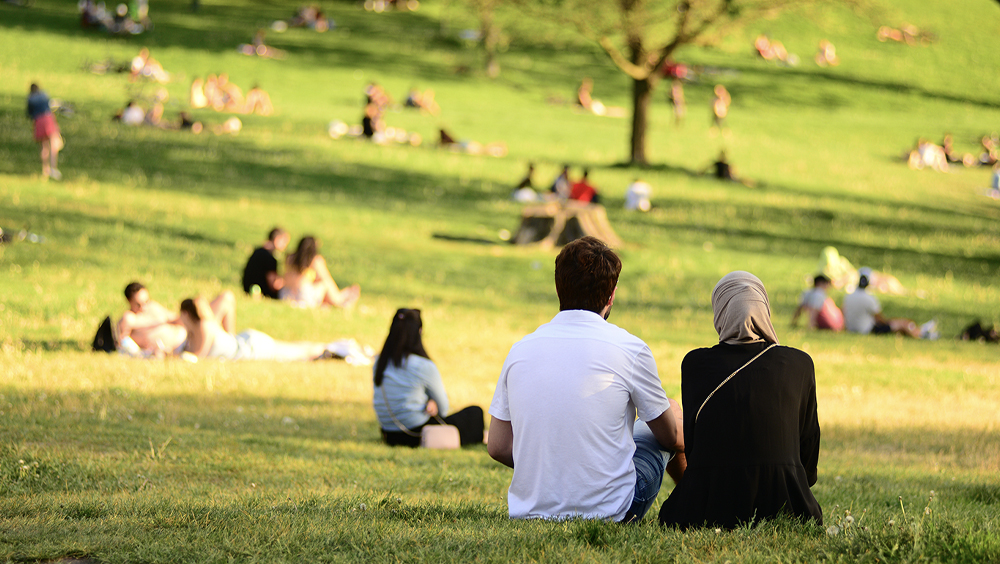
[
  {"x": 642, "y": 93},
  {"x": 491, "y": 37}
]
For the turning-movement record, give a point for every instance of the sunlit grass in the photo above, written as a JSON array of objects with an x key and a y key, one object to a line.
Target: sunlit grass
[{"x": 126, "y": 460}]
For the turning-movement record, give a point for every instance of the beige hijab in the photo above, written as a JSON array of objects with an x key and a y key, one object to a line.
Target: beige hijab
[{"x": 742, "y": 311}]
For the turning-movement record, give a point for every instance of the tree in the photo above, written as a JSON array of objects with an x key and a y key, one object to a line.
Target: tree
[
  {"x": 639, "y": 36},
  {"x": 489, "y": 30}
]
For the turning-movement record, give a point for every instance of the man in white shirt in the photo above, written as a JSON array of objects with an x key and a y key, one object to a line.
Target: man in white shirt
[
  {"x": 863, "y": 313},
  {"x": 565, "y": 407}
]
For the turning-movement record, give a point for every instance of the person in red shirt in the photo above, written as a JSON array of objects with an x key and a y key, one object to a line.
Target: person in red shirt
[{"x": 583, "y": 191}]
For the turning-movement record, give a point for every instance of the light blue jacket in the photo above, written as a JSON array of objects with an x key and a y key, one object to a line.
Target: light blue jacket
[{"x": 408, "y": 387}]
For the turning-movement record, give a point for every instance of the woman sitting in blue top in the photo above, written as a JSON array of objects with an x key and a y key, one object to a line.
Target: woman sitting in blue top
[{"x": 408, "y": 389}]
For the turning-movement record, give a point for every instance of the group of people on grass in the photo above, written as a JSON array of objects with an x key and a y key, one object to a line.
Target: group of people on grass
[
  {"x": 581, "y": 417},
  {"x": 861, "y": 313},
  {"x": 207, "y": 329},
  {"x": 125, "y": 19},
  {"x": 306, "y": 280},
  {"x": 563, "y": 188},
  {"x": 221, "y": 95},
  {"x": 940, "y": 157}
]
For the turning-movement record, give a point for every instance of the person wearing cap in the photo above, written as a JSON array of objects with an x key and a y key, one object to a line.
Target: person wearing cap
[{"x": 863, "y": 312}]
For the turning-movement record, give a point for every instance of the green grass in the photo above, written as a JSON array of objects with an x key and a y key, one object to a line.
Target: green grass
[{"x": 123, "y": 460}]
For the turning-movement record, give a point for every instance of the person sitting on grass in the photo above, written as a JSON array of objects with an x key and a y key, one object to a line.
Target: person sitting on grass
[
  {"x": 565, "y": 407},
  {"x": 207, "y": 338},
  {"x": 308, "y": 282},
  {"x": 823, "y": 313},
  {"x": 258, "y": 101},
  {"x": 751, "y": 431},
  {"x": 722, "y": 170},
  {"x": 155, "y": 329},
  {"x": 863, "y": 313},
  {"x": 409, "y": 393},
  {"x": 261, "y": 269},
  {"x": 583, "y": 191},
  {"x": 525, "y": 191}
]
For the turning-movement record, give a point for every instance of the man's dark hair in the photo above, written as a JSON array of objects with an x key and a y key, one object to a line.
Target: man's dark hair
[
  {"x": 275, "y": 233},
  {"x": 133, "y": 289},
  {"x": 820, "y": 279},
  {"x": 586, "y": 275}
]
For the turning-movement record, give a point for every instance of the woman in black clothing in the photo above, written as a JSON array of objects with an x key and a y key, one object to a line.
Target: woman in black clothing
[{"x": 752, "y": 440}]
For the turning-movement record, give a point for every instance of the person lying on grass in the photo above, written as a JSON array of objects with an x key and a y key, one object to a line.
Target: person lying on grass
[
  {"x": 155, "y": 329},
  {"x": 207, "y": 338}
]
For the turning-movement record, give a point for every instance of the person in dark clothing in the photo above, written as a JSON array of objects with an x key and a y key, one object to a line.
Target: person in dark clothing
[
  {"x": 262, "y": 268},
  {"x": 722, "y": 170},
  {"x": 751, "y": 432}
]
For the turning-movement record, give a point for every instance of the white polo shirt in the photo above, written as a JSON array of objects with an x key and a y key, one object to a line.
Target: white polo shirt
[
  {"x": 572, "y": 390},
  {"x": 860, "y": 308}
]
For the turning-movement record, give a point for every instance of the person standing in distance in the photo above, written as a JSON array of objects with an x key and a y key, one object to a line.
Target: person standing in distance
[{"x": 46, "y": 131}]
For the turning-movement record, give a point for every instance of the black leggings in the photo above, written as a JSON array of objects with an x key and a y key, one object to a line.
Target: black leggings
[{"x": 469, "y": 422}]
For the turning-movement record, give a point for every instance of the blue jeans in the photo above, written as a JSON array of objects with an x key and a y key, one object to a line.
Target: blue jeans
[{"x": 650, "y": 462}]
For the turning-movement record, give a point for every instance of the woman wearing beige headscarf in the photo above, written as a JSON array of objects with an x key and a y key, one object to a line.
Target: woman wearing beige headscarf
[{"x": 751, "y": 433}]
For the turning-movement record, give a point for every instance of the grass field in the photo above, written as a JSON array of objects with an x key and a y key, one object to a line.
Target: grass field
[{"x": 120, "y": 460}]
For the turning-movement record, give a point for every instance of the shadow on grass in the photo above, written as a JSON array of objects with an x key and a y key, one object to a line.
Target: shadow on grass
[
  {"x": 54, "y": 345},
  {"x": 358, "y": 40},
  {"x": 817, "y": 79}
]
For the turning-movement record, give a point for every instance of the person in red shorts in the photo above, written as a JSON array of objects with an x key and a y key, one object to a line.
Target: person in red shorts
[{"x": 46, "y": 131}]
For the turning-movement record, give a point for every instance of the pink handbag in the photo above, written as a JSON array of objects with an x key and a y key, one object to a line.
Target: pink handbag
[{"x": 443, "y": 437}]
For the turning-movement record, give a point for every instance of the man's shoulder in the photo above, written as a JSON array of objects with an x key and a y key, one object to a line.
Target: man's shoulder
[{"x": 261, "y": 252}]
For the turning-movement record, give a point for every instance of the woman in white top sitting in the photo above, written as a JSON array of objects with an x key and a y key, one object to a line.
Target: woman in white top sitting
[{"x": 308, "y": 282}]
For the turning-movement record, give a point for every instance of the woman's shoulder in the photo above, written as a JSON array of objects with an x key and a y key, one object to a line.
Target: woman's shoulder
[
  {"x": 794, "y": 354},
  {"x": 417, "y": 362},
  {"x": 699, "y": 353}
]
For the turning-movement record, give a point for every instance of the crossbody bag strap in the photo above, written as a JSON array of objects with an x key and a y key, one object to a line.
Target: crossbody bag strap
[
  {"x": 402, "y": 427},
  {"x": 729, "y": 378}
]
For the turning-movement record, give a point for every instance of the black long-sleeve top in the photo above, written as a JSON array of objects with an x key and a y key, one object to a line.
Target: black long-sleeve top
[{"x": 753, "y": 452}]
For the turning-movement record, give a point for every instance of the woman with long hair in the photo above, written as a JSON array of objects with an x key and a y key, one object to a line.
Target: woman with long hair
[
  {"x": 308, "y": 282},
  {"x": 409, "y": 393},
  {"x": 751, "y": 433}
]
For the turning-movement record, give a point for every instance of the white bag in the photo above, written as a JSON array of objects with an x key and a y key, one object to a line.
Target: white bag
[{"x": 444, "y": 437}]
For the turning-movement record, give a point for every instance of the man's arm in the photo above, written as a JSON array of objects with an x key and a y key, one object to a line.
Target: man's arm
[
  {"x": 668, "y": 429},
  {"x": 274, "y": 280},
  {"x": 126, "y": 325},
  {"x": 500, "y": 444}
]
